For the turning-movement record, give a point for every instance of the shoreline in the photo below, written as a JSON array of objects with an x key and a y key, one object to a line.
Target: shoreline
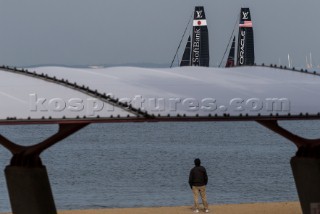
[{"x": 253, "y": 208}]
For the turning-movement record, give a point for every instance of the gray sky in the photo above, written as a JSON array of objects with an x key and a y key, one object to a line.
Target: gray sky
[{"x": 90, "y": 32}]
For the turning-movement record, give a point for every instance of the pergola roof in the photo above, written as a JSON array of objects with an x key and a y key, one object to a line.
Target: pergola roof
[{"x": 125, "y": 94}]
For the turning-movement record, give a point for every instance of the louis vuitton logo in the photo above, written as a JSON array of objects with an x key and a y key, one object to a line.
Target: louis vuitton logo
[
  {"x": 199, "y": 14},
  {"x": 245, "y": 15}
]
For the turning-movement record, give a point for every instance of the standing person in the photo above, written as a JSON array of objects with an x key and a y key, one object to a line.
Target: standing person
[{"x": 198, "y": 180}]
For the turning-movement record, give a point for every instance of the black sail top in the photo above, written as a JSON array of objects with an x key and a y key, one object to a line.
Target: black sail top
[
  {"x": 245, "y": 39},
  {"x": 200, "y": 40},
  {"x": 196, "y": 52}
]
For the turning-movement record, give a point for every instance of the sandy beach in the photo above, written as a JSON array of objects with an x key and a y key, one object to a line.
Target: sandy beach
[{"x": 256, "y": 208}]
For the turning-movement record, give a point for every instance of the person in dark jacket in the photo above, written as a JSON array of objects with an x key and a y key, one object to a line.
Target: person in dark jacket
[{"x": 198, "y": 179}]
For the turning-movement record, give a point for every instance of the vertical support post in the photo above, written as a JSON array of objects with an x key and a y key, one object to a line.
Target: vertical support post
[
  {"x": 305, "y": 167},
  {"x": 29, "y": 190},
  {"x": 306, "y": 173},
  {"x": 27, "y": 179}
]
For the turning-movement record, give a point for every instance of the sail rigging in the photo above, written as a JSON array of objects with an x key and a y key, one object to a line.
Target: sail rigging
[
  {"x": 231, "y": 57},
  {"x": 186, "y": 59},
  {"x": 176, "y": 54}
]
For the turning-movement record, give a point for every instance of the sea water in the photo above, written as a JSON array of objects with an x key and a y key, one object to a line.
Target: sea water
[{"x": 148, "y": 164}]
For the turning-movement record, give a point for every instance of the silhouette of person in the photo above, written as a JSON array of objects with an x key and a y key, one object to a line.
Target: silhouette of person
[{"x": 198, "y": 179}]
